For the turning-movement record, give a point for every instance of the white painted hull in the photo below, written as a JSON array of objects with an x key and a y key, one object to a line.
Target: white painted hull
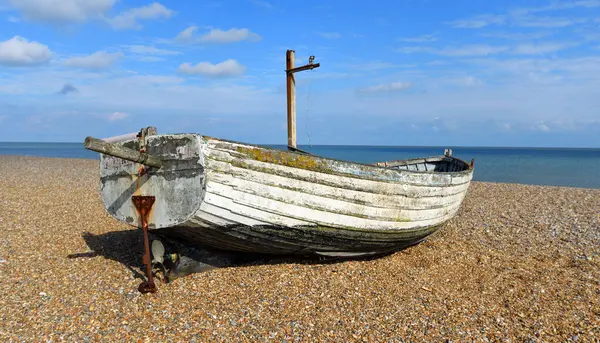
[{"x": 249, "y": 198}]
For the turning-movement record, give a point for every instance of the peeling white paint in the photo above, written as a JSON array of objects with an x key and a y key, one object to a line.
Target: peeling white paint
[{"x": 231, "y": 187}]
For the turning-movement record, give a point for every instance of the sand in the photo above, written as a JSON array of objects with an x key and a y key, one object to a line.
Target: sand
[{"x": 518, "y": 263}]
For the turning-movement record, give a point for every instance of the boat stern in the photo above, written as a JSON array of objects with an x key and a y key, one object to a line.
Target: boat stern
[{"x": 177, "y": 186}]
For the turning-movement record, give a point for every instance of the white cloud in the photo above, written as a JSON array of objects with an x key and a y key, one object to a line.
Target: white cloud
[
  {"x": 18, "y": 51},
  {"x": 217, "y": 36},
  {"x": 154, "y": 80},
  {"x": 473, "y": 50},
  {"x": 437, "y": 63},
  {"x": 117, "y": 116},
  {"x": 130, "y": 18},
  {"x": 229, "y": 36},
  {"x": 468, "y": 81},
  {"x": 537, "y": 49},
  {"x": 79, "y": 11},
  {"x": 387, "y": 87},
  {"x": 576, "y": 68},
  {"x": 466, "y": 50},
  {"x": 13, "y": 19},
  {"x": 150, "y": 50},
  {"x": 379, "y": 65},
  {"x": 517, "y": 35},
  {"x": 146, "y": 58},
  {"x": 566, "y": 125},
  {"x": 524, "y": 17},
  {"x": 226, "y": 68},
  {"x": 582, "y": 3},
  {"x": 548, "y": 22},
  {"x": 487, "y": 50},
  {"x": 149, "y": 93},
  {"x": 62, "y": 11},
  {"x": 416, "y": 49},
  {"x": 479, "y": 21},
  {"x": 330, "y": 35},
  {"x": 560, "y": 6},
  {"x": 97, "y": 60},
  {"x": 589, "y": 34},
  {"x": 540, "y": 126},
  {"x": 420, "y": 39},
  {"x": 507, "y": 100},
  {"x": 186, "y": 34}
]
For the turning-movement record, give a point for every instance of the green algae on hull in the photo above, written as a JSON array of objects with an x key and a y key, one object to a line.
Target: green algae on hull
[{"x": 306, "y": 162}]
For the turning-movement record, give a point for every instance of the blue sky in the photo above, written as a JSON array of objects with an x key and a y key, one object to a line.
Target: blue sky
[{"x": 404, "y": 72}]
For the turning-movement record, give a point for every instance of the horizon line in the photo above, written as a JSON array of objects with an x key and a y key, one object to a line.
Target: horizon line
[{"x": 449, "y": 146}]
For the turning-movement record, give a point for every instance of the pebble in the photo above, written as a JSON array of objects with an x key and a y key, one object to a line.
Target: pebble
[{"x": 518, "y": 263}]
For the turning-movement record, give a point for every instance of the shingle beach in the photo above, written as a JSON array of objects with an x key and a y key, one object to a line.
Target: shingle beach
[{"x": 518, "y": 263}]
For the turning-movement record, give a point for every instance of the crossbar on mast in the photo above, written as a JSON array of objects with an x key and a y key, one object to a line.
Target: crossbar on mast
[{"x": 291, "y": 93}]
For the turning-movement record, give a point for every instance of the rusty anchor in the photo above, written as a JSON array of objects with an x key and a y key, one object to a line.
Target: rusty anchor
[{"x": 143, "y": 204}]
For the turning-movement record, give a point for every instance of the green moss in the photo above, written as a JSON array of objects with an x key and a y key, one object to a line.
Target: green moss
[
  {"x": 306, "y": 162},
  {"x": 402, "y": 220}
]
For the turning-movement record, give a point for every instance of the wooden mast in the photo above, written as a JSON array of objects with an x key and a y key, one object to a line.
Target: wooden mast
[
  {"x": 291, "y": 93},
  {"x": 291, "y": 99}
]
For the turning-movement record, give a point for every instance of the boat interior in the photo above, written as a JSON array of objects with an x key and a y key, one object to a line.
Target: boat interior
[{"x": 442, "y": 164}]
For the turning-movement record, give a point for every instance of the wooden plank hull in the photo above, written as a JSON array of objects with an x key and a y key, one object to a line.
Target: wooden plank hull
[
  {"x": 298, "y": 240},
  {"x": 241, "y": 197}
]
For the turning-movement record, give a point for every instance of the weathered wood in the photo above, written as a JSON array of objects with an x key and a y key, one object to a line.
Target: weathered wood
[
  {"x": 250, "y": 198},
  {"x": 115, "y": 150},
  {"x": 347, "y": 173},
  {"x": 254, "y": 193},
  {"x": 291, "y": 99},
  {"x": 120, "y": 138},
  {"x": 302, "y": 240},
  {"x": 291, "y": 94},
  {"x": 246, "y": 178},
  {"x": 177, "y": 185},
  {"x": 148, "y": 131},
  {"x": 304, "y": 67}
]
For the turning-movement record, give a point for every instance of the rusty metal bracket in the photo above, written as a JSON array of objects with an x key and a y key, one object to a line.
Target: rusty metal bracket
[{"x": 143, "y": 205}]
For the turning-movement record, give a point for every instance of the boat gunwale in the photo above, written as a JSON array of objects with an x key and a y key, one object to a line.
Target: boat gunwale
[
  {"x": 283, "y": 173},
  {"x": 295, "y": 153},
  {"x": 465, "y": 172}
]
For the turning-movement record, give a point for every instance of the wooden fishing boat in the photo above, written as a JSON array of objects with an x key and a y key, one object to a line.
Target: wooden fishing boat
[{"x": 244, "y": 197}]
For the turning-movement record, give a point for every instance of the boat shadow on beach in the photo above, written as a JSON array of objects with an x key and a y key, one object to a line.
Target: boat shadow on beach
[{"x": 126, "y": 247}]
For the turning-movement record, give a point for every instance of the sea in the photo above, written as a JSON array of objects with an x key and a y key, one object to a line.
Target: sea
[{"x": 572, "y": 167}]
